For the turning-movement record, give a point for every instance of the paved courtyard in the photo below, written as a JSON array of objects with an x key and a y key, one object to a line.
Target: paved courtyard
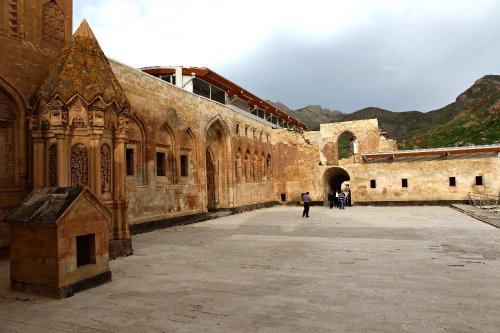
[{"x": 362, "y": 269}]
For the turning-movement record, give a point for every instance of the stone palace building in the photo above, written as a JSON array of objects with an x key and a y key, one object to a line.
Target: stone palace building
[{"x": 164, "y": 145}]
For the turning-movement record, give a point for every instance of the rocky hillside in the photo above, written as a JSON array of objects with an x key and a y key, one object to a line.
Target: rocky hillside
[{"x": 473, "y": 118}]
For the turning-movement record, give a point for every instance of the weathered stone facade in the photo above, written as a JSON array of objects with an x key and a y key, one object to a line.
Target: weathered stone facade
[
  {"x": 31, "y": 36},
  {"x": 152, "y": 151}
]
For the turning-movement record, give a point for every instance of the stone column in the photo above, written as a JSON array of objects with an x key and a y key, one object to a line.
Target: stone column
[
  {"x": 62, "y": 160},
  {"x": 39, "y": 173},
  {"x": 119, "y": 194},
  {"x": 95, "y": 163}
]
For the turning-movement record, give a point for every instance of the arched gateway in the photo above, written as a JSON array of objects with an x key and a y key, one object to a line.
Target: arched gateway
[
  {"x": 219, "y": 180},
  {"x": 333, "y": 179}
]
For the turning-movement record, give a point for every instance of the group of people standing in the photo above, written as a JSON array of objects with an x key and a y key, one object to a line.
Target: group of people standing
[{"x": 339, "y": 199}]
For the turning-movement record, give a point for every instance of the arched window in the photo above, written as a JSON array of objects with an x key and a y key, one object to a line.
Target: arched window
[
  {"x": 187, "y": 157},
  {"x": 255, "y": 167},
  {"x": 347, "y": 145},
  {"x": 164, "y": 154},
  {"x": 263, "y": 167},
  {"x": 237, "y": 165},
  {"x": 134, "y": 153},
  {"x": 269, "y": 169}
]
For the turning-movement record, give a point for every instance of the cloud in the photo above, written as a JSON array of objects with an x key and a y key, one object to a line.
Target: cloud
[{"x": 399, "y": 55}]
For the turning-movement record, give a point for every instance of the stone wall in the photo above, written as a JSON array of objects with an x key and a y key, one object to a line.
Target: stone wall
[
  {"x": 31, "y": 36},
  {"x": 174, "y": 122},
  {"x": 428, "y": 179}
]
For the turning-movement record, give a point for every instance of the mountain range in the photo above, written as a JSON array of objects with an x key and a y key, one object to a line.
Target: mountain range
[{"x": 472, "y": 119}]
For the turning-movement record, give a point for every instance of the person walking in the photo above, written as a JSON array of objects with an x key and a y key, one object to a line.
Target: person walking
[
  {"x": 341, "y": 200},
  {"x": 331, "y": 198},
  {"x": 307, "y": 202},
  {"x": 336, "y": 199}
]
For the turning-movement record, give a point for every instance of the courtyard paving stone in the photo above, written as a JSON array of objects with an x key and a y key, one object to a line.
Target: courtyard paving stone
[{"x": 362, "y": 269}]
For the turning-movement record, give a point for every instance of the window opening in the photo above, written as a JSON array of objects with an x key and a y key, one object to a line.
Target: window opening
[
  {"x": 452, "y": 181},
  {"x": 404, "y": 182},
  {"x": 373, "y": 183},
  {"x": 479, "y": 180},
  {"x": 184, "y": 165},
  {"x": 85, "y": 250},
  {"x": 160, "y": 164},
  {"x": 129, "y": 161}
]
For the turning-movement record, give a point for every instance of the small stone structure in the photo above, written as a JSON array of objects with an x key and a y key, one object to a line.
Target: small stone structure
[{"x": 59, "y": 242}]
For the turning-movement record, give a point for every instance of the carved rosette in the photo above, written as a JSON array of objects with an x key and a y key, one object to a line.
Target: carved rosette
[
  {"x": 79, "y": 165},
  {"x": 105, "y": 168}
]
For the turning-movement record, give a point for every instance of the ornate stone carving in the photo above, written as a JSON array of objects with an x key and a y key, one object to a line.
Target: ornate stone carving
[
  {"x": 13, "y": 17},
  {"x": 6, "y": 108},
  {"x": 96, "y": 118},
  {"x": 33, "y": 122},
  {"x": 52, "y": 23},
  {"x": 122, "y": 123},
  {"x": 105, "y": 168},
  {"x": 78, "y": 122},
  {"x": 79, "y": 165},
  {"x": 53, "y": 165},
  {"x": 45, "y": 125}
]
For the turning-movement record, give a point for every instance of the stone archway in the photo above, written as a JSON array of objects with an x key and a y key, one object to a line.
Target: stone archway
[
  {"x": 13, "y": 154},
  {"x": 219, "y": 167},
  {"x": 333, "y": 179}
]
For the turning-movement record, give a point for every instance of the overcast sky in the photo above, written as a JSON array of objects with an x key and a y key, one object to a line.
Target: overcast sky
[{"x": 399, "y": 55}]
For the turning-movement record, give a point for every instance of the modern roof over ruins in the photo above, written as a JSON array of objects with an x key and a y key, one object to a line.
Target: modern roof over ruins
[{"x": 232, "y": 90}]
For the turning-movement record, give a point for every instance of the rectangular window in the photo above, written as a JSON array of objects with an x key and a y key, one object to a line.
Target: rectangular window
[
  {"x": 217, "y": 95},
  {"x": 237, "y": 128},
  {"x": 129, "y": 160},
  {"x": 184, "y": 166},
  {"x": 85, "y": 250},
  {"x": 453, "y": 181},
  {"x": 201, "y": 88},
  {"x": 160, "y": 164},
  {"x": 479, "y": 180},
  {"x": 373, "y": 183},
  {"x": 404, "y": 182}
]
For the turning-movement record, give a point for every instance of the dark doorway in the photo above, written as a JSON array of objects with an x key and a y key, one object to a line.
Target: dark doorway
[{"x": 333, "y": 180}]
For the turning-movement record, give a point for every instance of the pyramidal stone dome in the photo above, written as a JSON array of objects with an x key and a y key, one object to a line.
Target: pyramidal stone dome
[{"x": 82, "y": 69}]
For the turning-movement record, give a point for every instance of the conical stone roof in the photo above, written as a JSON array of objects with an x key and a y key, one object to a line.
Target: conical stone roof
[{"x": 83, "y": 69}]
